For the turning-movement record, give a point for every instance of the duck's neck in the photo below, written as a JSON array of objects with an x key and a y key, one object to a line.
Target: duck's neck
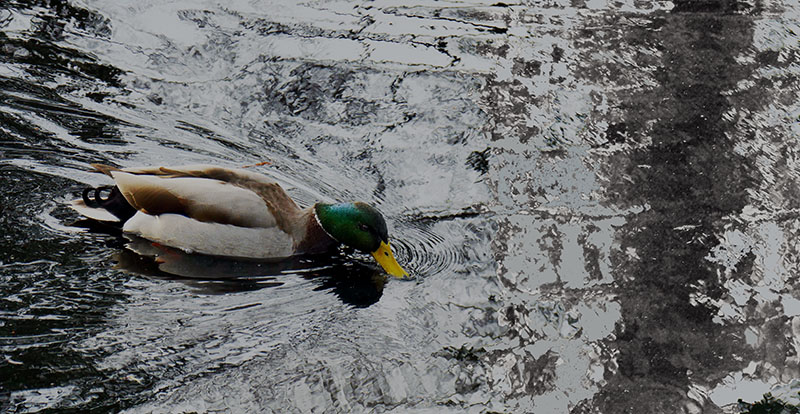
[{"x": 315, "y": 239}]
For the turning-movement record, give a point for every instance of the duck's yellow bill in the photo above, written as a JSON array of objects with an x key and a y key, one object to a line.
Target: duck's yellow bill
[{"x": 386, "y": 259}]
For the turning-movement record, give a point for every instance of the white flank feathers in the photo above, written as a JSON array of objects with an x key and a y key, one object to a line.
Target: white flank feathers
[{"x": 211, "y": 238}]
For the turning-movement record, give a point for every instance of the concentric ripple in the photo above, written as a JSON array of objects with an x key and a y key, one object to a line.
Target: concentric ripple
[{"x": 424, "y": 249}]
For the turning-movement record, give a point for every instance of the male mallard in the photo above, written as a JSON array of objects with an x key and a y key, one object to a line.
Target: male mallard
[{"x": 232, "y": 212}]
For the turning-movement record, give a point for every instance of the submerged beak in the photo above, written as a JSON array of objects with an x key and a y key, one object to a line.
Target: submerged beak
[{"x": 386, "y": 259}]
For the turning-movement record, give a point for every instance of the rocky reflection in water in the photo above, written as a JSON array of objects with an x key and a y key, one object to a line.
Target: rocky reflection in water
[
  {"x": 663, "y": 232},
  {"x": 672, "y": 344},
  {"x": 599, "y": 201}
]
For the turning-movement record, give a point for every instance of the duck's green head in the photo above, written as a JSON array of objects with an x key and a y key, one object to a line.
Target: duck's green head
[{"x": 361, "y": 227}]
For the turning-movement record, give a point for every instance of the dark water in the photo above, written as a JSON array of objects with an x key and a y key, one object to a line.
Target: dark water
[{"x": 599, "y": 201}]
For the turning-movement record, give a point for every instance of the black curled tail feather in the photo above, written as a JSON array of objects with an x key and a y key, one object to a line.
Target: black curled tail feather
[
  {"x": 88, "y": 201},
  {"x": 115, "y": 203}
]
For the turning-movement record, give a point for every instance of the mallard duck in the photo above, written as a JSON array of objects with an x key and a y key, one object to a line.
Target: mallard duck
[{"x": 232, "y": 212}]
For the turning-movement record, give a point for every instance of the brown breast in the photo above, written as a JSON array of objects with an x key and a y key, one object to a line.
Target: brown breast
[{"x": 315, "y": 240}]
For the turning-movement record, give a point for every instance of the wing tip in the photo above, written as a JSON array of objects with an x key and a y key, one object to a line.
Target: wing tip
[{"x": 104, "y": 168}]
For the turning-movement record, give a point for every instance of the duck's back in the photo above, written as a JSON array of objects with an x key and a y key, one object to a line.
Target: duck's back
[
  {"x": 201, "y": 199},
  {"x": 205, "y": 209}
]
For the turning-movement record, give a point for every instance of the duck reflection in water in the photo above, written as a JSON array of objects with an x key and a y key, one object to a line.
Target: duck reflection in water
[{"x": 354, "y": 283}]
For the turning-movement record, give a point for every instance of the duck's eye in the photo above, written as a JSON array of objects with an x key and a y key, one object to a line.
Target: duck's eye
[{"x": 363, "y": 227}]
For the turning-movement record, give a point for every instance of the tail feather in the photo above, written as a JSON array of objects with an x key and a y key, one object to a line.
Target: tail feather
[
  {"x": 98, "y": 214},
  {"x": 112, "y": 208}
]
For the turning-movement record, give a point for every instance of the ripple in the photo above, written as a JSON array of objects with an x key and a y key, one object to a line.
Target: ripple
[{"x": 424, "y": 251}]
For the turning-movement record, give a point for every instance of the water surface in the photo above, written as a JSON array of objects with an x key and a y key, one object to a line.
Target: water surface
[{"x": 598, "y": 200}]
